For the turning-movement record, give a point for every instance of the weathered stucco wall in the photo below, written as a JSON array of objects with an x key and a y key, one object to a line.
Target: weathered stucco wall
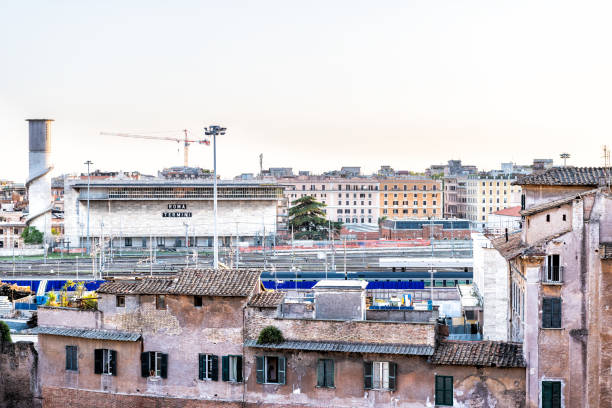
[
  {"x": 482, "y": 388},
  {"x": 539, "y": 229},
  {"x": 64, "y": 316},
  {"x": 19, "y": 375},
  {"x": 338, "y": 330},
  {"x": 535, "y": 195}
]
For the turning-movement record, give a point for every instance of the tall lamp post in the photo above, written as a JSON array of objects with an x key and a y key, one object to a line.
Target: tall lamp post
[
  {"x": 88, "y": 163},
  {"x": 215, "y": 131}
]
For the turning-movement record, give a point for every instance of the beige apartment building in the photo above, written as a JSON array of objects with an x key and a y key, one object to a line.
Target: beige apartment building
[
  {"x": 486, "y": 195},
  {"x": 411, "y": 198}
]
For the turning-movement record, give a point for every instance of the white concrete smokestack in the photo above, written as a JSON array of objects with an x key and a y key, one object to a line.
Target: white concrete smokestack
[{"x": 39, "y": 180}]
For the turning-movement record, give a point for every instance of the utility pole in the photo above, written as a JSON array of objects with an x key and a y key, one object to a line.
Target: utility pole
[
  {"x": 77, "y": 267},
  {"x": 100, "y": 266},
  {"x": 186, "y": 236},
  {"x": 151, "y": 253},
  {"x": 237, "y": 247},
  {"x": 431, "y": 237},
  {"x": 88, "y": 163},
  {"x": 345, "y": 275}
]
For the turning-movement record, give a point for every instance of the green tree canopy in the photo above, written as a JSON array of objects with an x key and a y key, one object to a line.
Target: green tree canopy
[
  {"x": 307, "y": 218},
  {"x": 31, "y": 235}
]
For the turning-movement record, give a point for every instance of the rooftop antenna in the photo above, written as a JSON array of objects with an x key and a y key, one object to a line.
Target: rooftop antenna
[
  {"x": 565, "y": 156},
  {"x": 261, "y": 165},
  {"x": 606, "y": 157}
]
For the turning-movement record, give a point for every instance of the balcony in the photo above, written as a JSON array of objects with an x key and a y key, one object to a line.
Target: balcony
[{"x": 552, "y": 275}]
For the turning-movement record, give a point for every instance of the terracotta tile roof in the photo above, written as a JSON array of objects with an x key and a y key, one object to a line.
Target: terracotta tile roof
[
  {"x": 511, "y": 211},
  {"x": 556, "y": 203},
  {"x": 511, "y": 248},
  {"x": 209, "y": 282},
  {"x": 198, "y": 282},
  {"x": 140, "y": 286},
  {"x": 565, "y": 176},
  {"x": 479, "y": 353},
  {"x": 605, "y": 250},
  {"x": 267, "y": 299}
]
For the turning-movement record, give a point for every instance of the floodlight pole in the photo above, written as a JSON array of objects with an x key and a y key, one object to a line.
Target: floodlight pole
[
  {"x": 88, "y": 162},
  {"x": 213, "y": 131}
]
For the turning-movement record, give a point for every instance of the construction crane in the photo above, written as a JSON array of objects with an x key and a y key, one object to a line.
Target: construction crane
[{"x": 184, "y": 139}]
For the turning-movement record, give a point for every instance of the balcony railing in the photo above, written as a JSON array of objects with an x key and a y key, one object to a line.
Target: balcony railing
[{"x": 552, "y": 275}]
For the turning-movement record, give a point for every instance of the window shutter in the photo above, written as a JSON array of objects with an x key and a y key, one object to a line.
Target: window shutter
[
  {"x": 392, "y": 375},
  {"x": 259, "y": 363},
  {"x": 439, "y": 390},
  {"x": 98, "y": 353},
  {"x": 448, "y": 390},
  {"x": 321, "y": 373},
  {"x": 556, "y": 313},
  {"x": 164, "y": 366},
  {"x": 282, "y": 370},
  {"x": 201, "y": 366},
  {"x": 546, "y": 312},
  {"x": 546, "y": 394},
  {"x": 556, "y": 394},
  {"x": 238, "y": 368},
  {"x": 329, "y": 368},
  {"x": 214, "y": 369},
  {"x": 113, "y": 362},
  {"x": 68, "y": 358},
  {"x": 367, "y": 375},
  {"x": 144, "y": 364},
  {"x": 225, "y": 368}
]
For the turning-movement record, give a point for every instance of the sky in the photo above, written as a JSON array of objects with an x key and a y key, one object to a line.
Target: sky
[{"x": 313, "y": 85}]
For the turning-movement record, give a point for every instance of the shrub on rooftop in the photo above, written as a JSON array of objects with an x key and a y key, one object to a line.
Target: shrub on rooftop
[{"x": 269, "y": 335}]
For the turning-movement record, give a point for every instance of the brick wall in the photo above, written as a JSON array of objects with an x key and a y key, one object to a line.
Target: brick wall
[{"x": 347, "y": 331}]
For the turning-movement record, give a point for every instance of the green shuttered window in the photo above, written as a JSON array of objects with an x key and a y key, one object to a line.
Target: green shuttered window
[
  {"x": 208, "y": 367},
  {"x": 105, "y": 361},
  {"x": 444, "y": 390},
  {"x": 271, "y": 369},
  {"x": 231, "y": 368},
  {"x": 551, "y": 313},
  {"x": 551, "y": 394},
  {"x": 325, "y": 373},
  {"x": 154, "y": 364},
  {"x": 379, "y": 375}
]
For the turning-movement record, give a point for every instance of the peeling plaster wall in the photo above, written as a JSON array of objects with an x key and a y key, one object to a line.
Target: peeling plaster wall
[{"x": 473, "y": 387}]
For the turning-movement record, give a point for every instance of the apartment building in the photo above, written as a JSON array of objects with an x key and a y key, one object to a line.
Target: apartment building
[
  {"x": 348, "y": 200},
  {"x": 404, "y": 198},
  {"x": 486, "y": 194},
  {"x": 557, "y": 269},
  {"x": 455, "y": 197},
  {"x": 194, "y": 340}
]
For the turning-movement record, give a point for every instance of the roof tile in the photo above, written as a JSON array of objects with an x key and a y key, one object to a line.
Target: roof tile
[
  {"x": 566, "y": 176},
  {"x": 479, "y": 353},
  {"x": 267, "y": 299}
]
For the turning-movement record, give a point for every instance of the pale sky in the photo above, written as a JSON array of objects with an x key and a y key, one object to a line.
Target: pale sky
[{"x": 310, "y": 84}]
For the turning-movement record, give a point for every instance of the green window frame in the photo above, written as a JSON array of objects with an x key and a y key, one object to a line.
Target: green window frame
[
  {"x": 208, "y": 367},
  {"x": 444, "y": 390},
  {"x": 379, "y": 375},
  {"x": 154, "y": 364},
  {"x": 271, "y": 369},
  {"x": 551, "y": 313},
  {"x": 72, "y": 363},
  {"x": 551, "y": 394},
  {"x": 325, "y": 373},
  {"x": 231, "y": 368}
]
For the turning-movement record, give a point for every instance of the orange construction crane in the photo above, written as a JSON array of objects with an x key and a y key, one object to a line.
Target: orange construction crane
[{"x": 185, "y": 140}]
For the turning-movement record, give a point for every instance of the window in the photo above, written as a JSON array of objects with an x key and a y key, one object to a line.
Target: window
[
  {"x": 325, "y": 373},
  {"x": 547, "y": 217},
  {"x": 231, "y": 367},
  {"x": 208, "y": 367},
  {"x": 105, "y": 361},
  {"x": 1, "y": 231},
  {"x": 177, "y": 243},
  {"x": 144, "y": 242},
  {"x": 379, "y": 375},
  {"x": 551, "y": 394},
  {"x": 128, "y": 242},
  {"x": 270, "y": 369},
  {"x": 551, "y": 313},
  {"x": 444, "y": 390},
  {"x": 553, "y": 268},
  {"x": 154, "y": 364},
  {"x": 160, "y": 302},
  {"x": 564, "y": 217},
  {"x": 71, "y": 358},
  {"x": 197, "y": 301},
  {"x": 161, "y": 241},
  {"x": 120, "y": 300}
]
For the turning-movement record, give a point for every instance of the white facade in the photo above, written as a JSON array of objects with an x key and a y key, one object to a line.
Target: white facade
[
  {"x": 133, "y": 212},
  {"x": 486, "y": 195},
  {"x": 349, "y": 200},
  {"x": 491, "y": 283}
]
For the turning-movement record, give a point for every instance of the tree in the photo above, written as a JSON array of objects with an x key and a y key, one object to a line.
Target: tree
[
  {"x": 31, "y": 235},
  {"x": 270, "y": 334},
  {"x": 5, "y": 332},
  {"x": 307, "y": 218}
]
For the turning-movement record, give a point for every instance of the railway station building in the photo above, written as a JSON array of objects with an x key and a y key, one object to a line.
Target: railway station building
[{"x": 163, "y": 213}]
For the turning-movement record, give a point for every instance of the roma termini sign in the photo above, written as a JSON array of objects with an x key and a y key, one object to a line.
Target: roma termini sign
[{"x": 176, "y": 214}]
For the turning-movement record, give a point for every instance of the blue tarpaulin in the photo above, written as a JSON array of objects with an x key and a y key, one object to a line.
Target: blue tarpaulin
[{"x": 270, "y": 284}]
